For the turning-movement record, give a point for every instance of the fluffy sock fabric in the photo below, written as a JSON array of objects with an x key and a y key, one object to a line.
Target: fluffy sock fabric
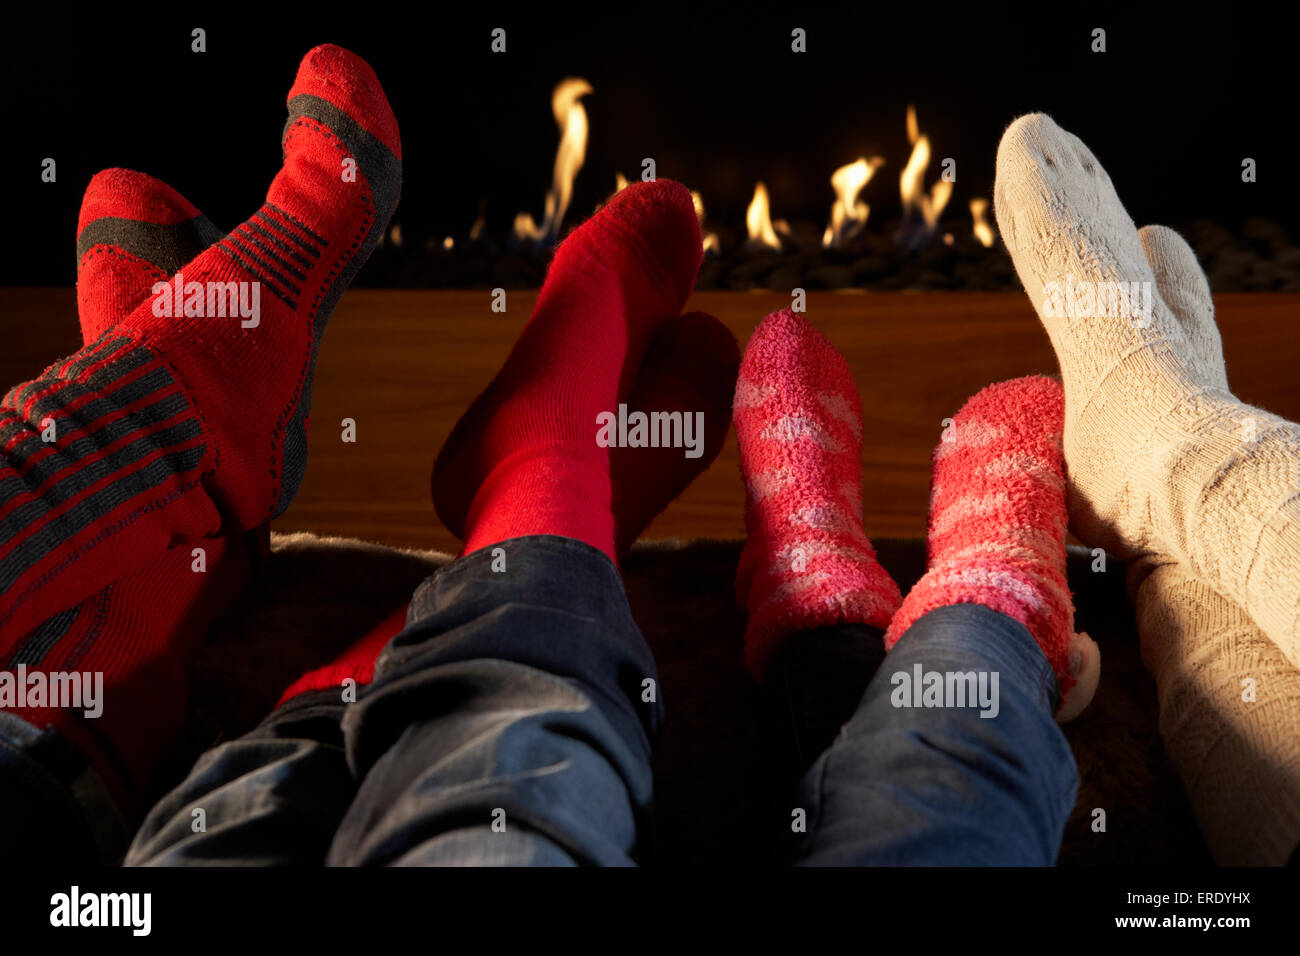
[
  {"x": 997, "y": 528},
  {"x": 807, "y": 562},
  {"x": 1164, "y": 462},
  {"x": 139, "y": 631},
  {"x": 169, "y": 429},
  {"x": 524, "y": 459},
  {"x": 1229, "y": 699}
]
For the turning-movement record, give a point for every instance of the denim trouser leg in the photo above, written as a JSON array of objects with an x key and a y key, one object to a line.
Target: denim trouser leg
[
  {"x": 505, "y": 725},
  {"x": 52, "y": 804},
  {"x": 935, "y": 785},
  {"x": 511, "y": 722},
  {"x": 273, "y": 797}
]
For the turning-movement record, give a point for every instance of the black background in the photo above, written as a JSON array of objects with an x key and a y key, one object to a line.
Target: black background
[{"x": 712, "y": 92}]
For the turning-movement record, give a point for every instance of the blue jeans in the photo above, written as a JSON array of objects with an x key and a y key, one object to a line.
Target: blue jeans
[
  {"x": 512, "y": 722},
  {"x": 943, "y": 785}
]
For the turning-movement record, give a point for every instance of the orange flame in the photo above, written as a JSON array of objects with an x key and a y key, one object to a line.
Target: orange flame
[
  {"x": 758, "y": 220},
  {"x": 848, "y": 216},
  {"x": 911, "y": 184},
  {"x": 571, "y": 118},
  {"x": 983, "y": 231},
  {"x": 710, "y": 239}
]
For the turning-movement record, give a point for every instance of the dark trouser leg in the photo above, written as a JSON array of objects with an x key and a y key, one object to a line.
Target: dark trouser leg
[
  {"x": 927, "y": 785},
  {"x": 511, "y": 722},
  {"x": 53, "y": 804},
  {"x": 272, "y": 797}
]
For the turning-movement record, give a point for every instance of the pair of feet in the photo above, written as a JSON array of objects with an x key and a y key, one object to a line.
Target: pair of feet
[
  {"x": 997, "y": 509},
  {"x": 134, "y": 469},
  {"x": 1165, "y": 464}
]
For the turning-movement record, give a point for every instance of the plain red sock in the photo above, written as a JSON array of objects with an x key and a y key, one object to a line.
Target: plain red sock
[
  {"x": 524, "y": 458},
  {"x": 690, "y": 366}
]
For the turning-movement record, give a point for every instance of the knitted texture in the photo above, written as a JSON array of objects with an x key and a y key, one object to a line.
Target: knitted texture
[
  {"x": 997, "y": 527},
  {"x": 807, "y": 561},
  {"x": 1229, "y": 716},
  {"x": 133, "y": 231},
  {"x": 524, "y": 458},
  {"x": 690, "y": 366},
  {"x": 1163, "y": 460},
  {"x": 139, "y": 631},
  {"x": 1229, "y": 699},
  {"x": 356, "y": 663},
  {"x": 172, "y": 428}
]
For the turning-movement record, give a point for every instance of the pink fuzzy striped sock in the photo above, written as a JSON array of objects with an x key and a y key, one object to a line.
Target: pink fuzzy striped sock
[
  {"x": 997, "y": 527},
  {"x": 807, "y": 562}
]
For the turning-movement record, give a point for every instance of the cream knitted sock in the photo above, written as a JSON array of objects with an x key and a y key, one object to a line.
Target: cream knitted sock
[
  {"x": 1238, "y": 758},
  {"x": 1162, "y": 460},
  {"x": 1229, "y": 700}
]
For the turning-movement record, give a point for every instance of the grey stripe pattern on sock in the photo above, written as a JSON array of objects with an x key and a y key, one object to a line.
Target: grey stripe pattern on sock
[
  {"x": 383, "y": 172},
  {"x": 167, "y": 247}
]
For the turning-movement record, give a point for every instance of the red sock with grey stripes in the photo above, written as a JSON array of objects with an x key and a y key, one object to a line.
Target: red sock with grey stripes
[
  {"x": 997, "y": 528},
  {"x": 133, "y": 231},
  {"x": 138, "y": 632},
  {"x": 175, "y": 427},
  {"x": 807, "y": 562}
]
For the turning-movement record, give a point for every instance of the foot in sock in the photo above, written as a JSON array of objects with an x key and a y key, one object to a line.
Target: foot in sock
[
  {"x": 997, "y": 528},
  {"x": 133, "y": 231},
  {"x": 689, "y": 368},
  {"x": 807, "y": 562},
  {"x": 524, "y": 459},
  {"x": 1163, "y": 460},
  {"x": 138, "y": 632},
  {"x": 1239, "y": 762},
  {"x": 171, "y": 429}
]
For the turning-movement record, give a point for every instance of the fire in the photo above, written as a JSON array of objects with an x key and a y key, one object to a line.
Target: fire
[
  {"x": 758, "y": 219},
  {"x": 571, "y": 118},
  {"x": 620, "y": 183},
  {"x": 911, "y": 183},
  {"x": 848, "y": 216},
  {"x": 710, "y": 238},
  {"x": 983, "y": 231}
]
